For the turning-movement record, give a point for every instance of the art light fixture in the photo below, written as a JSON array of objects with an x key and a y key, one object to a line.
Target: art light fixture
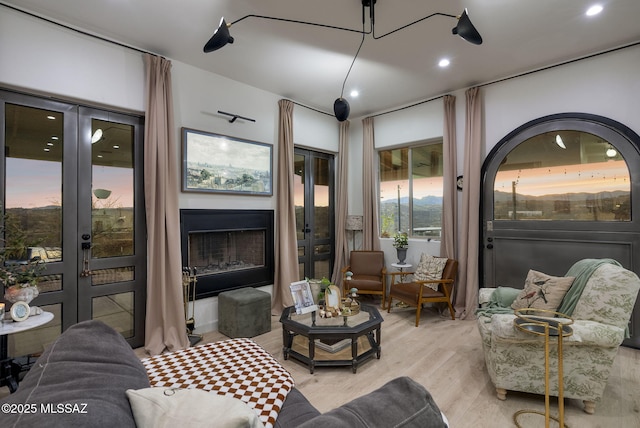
[{"x": 464, "y": 28}]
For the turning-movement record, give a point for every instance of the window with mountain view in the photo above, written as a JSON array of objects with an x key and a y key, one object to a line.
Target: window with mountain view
[
  {"x": 411, "y": 190},
  {"x": 563, "y": 175}
]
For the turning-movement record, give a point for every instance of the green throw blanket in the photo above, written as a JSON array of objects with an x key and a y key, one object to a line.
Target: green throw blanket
[
  {"x": 501, "y": 299},
  {"x": 582, "y": 271}
]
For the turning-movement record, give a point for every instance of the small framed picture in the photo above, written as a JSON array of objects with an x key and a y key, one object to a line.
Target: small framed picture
[
  {"x": 332, "y": 298},
  {"x": 302, "y": 297}
]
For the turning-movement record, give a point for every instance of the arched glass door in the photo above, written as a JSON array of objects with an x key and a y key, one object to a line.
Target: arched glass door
[{"x": 557, "y": 190}]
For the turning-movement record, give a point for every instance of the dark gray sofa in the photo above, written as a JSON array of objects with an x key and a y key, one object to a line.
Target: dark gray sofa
[{"x": 82, "y": 377}]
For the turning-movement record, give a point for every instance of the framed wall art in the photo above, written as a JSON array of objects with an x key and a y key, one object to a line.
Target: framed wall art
[{"x": 214, "y": 163}]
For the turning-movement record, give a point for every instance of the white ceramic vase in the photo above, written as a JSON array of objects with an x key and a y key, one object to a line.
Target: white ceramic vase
[{"x": 18, "y": 293}]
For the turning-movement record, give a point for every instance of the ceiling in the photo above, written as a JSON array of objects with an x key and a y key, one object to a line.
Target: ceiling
[{"x": 308, "y": 64}]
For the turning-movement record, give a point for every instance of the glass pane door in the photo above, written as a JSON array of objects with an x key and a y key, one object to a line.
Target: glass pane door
[
  {"x": 314, "y": 196},
  {"x": 76, "y": 205},
  {"x": 110, "y": 219}
]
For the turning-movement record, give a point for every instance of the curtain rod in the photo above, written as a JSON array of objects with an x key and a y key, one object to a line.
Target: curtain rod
[{"x": 77, "y": 30}]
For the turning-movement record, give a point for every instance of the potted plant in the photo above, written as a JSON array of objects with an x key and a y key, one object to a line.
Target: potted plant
[
  {"x": 19, "y": 275},
  {"x": 401, "y": 242},
  {"x": 20, "y": 280}
]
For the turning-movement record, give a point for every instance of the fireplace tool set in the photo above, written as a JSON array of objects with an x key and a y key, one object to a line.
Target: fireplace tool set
[{"x": 189, "y": 280}]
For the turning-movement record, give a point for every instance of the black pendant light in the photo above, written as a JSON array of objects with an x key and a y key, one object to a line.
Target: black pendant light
[
  {"x": 220, "y": 37},
  {"x": 465, "y": 29}
]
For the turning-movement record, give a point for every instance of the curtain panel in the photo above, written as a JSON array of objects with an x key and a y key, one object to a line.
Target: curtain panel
[
  {"x": 466, "y": 299},
  {"x": 165, "y": 327},
  {"x": 286, "y": 257}
]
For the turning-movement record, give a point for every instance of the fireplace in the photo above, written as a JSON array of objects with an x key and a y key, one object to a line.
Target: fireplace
[{"x": 228, "y": 249}]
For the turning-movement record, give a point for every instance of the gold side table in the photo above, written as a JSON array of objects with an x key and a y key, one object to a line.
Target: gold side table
[{"x": 546, "y": 323}]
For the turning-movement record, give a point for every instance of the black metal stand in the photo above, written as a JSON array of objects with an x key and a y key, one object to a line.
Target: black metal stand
[{"x": 189, "y": 280}]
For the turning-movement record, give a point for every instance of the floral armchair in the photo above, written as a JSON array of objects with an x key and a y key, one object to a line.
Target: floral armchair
[{"x": 515, "y": 359}]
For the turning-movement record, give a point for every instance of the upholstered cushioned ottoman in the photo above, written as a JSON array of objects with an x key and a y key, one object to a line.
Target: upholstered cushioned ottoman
[{"x": 244, "y": 313}]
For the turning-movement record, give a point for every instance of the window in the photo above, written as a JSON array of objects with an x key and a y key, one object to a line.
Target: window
[
  {"x": 411, "y": 190},
  {"x": 563, "y": 175}
]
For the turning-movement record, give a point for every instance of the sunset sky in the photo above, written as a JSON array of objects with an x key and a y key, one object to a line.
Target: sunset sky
[{"x": 37, "y": 183}]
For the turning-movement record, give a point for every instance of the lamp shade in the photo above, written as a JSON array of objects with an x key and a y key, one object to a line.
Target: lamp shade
[
  {"x": 466, "y": 30},
  {"x": 341, "y": 109},
  {"x": 220, "y": 37},
  {"x": 354, "y": 222}
]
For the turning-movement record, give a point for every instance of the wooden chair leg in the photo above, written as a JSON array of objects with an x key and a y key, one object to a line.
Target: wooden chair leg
[
  {"x": 418, "y": 314},
  {"x": 451, "y": 311},
  {"x": 389, "y": 305}
]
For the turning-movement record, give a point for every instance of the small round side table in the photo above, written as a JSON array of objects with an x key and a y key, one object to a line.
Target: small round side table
[
  {"x": 546, "y": 323},
  {"x": 401, "y": 267}
]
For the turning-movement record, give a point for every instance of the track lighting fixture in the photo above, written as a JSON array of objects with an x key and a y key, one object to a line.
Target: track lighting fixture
[{"x": 464, "y": 28}]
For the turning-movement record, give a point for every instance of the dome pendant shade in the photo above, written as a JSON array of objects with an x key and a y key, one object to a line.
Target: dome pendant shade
[
  {"x": 466, "y": 30},
  {"x": 220, "y": 38},
  {"x": 341, "y": 109}
]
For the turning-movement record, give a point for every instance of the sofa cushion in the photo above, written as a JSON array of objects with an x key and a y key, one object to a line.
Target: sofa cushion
[
  {"x": 295, "y": 410},
  {"x": 81, "y": 379},
  {"x": 542, "y": 291},
  {"x": 399, "y": 403},
  {"x": 193, "y": 408}
]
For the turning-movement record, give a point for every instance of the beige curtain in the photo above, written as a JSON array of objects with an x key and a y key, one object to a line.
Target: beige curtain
[
  {"x": 450, "y": 200},
  {"x": 165, "y": 318},
  {"x": 286, "y": 258},
  {"x": 466, "y": 299},
  {"x": 342, "y": 205},
  {"x": 370, "y": 236}
]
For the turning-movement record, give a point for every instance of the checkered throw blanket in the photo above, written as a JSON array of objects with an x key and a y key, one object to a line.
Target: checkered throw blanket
[{"x": 238, "y": 368}]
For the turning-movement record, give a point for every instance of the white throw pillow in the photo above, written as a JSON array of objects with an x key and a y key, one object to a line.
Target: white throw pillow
[
  {"x": 430, "y": 268},
  {"x": 171, "y": 407}
]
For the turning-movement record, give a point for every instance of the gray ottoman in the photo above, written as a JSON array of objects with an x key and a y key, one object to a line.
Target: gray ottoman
[{"x": 244, "y": 313}]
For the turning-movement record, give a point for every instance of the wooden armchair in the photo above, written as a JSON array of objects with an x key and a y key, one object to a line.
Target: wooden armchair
[
  {"x": 369, "y": 273},
  {"x": 416, "y": 293}
]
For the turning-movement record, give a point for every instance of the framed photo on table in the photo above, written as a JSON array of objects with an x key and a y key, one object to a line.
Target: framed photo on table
[
  {"x": 302, "y": 297},
  {"x": 213, "y": 163}
]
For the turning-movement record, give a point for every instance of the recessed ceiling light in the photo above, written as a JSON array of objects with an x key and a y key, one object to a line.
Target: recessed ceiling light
[
  {"x": 354, "y": 93},
  {"x": 100, "y": 156},
  {"x": 444, "y": 62},
  {"x": 47, "y": 149},
  {"x": 594, "y": 10},
  {"x": 116, "y": 147},
  {"x": 51, "y": 117},
  {"x": 49, "y": 144},
  {"x": 54, "y": 137}
]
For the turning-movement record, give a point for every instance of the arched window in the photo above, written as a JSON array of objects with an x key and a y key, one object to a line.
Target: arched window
[{"x": 563, "y": 175}]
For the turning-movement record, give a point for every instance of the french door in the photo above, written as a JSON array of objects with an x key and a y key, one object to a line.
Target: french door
[
  {"x": 72, "y": 190},
  {"x": 314, "y": 196}
]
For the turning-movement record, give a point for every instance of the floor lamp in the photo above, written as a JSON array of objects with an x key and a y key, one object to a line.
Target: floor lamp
[{"x": 354, "y": 224}]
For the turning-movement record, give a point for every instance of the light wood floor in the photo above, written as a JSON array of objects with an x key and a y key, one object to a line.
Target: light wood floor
[{"x": 446, "y": 357}]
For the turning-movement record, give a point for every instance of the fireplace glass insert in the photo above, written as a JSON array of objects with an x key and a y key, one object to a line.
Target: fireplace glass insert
[{"x": 227, "y": 249}]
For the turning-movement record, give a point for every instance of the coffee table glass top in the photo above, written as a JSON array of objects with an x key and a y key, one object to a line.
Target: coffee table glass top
[{"x": 368, "y": 314}]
